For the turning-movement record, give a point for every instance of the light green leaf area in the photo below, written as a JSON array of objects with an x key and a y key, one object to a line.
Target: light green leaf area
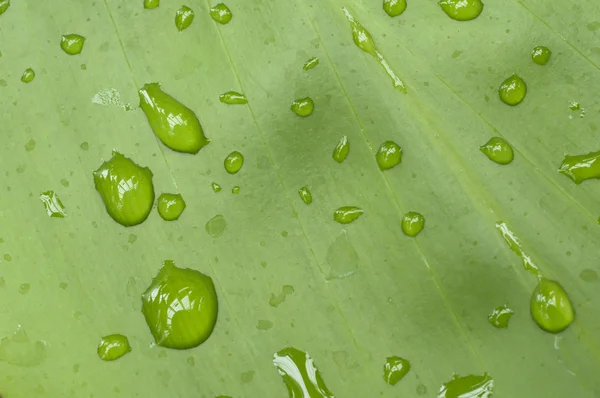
[{"x": 425, "y": 299}]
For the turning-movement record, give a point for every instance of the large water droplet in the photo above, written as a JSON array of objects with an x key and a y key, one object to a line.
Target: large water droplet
[
  {"x": 216, "y": 226},
  {"x": 393, "y": 8},
  {"x": 180, "y": 307},
  {"x": 234, "y": 162},
  {"x": 388, "y": 155},
  {"x": 28, "y": 75},
  {"x": 150, "y": 4},
  {"x": 340, "y": 152},
  {"x": 550, "y": 306},
  {"x": 512, "y": 91},
  {"x": 4, "y": 4},
  {"x": 413, "y": 223},
  {"x": 170, "y": 206},
  {"x": 311, "y": 63},
  {"x": 53, "y": 205},
  {"x": 305, "y": 195},
  {"x": 233, "y": 98},
  {"x": 467, "y": 387},
  {"x": 300, "y": 374},
  {"x": 581, "y": 167},
  {"x": 462, "y": 10},
  {"x": 184, "y": 18},
  {"x": 113, "y": 347},
  {"x": 303, "y": 107},
  {"x": 19, "y": 350},
  {"x": 72, "y": 43},
  {"x": 498, "y": 150},
  {"x": 347, "y": 214},
  {"x": 394, "y": 369},
  {"x": 342, "y": 259},
  {"x": 500, "y": 316},
  {"x": 221, "y": 14},
  {"x": 541, "y": 55}
]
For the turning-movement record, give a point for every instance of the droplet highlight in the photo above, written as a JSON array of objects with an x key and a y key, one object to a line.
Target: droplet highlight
[
  {"x": 498, "y": 150},
  {"x": 388, "y": 155},
  {"x": 221, "y": 14},
  {"x": 412, "y": 223},
  {"x": 53, "y": 205},
  {"x": 184, "y": 18},
  {"x": 341, "y": 150},
  {"x": 500, "y": 316},
  {"x": 305, "y": 195},
  {"x": 233, "y": 162},
  {"x": 170, "y": 206},
  {"x": 393, "y": 8},
  {"x": 303, "y": 107},
  {"x": 462, "y": 10},
  {"x": 541, "y": 55},
  {"x": 72, "y": 43},
  {"x": 233, "y": 98},
  {"x": 113, "y": 347},
  {"x": 394, "y": 369},
  {"x": 550, "y": 307},
  {"x": 28, "y": 75},
  {"x": 347, "y": 214},
  {"x": 581, "y": 167},
  {"x": 311, "y": 63},
  {"x": 512, "y": 91},
  {"x": 300, "y": 375}
]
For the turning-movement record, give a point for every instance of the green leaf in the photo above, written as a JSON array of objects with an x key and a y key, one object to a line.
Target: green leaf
[{"x": 360, "y": 292}]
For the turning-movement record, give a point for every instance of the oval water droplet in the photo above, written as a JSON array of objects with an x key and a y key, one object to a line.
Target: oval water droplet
[
  {"x": 305, "y": 195},
  {"x": 4, "y": 4},
  {"x": 462, "y": 10},
  {"x": 113, "y": 347},
  {"x": 311, "y": 63},
  {"x": 150, "y": 4},
  {"x": 498, "y": 150},
  {"x": 340, "y": 152},
  {"x": 234, "y": 162},
  {"x": 393, "y": 8},
  {"x": 126, "y": 189},
  {"x": 173, "y": 123},
  {"x": 300, "y": 374},
  {"x": 468, "y": 386},
  {"x": 235, "y": 190},
  {"x": 550, "y": 306},
  {"x": 72, "y": 43},
  {"x": 170, "y": 206},
  {"x": 541, "y": 55},
  {"x": 303, "y": 107},
  {"x": 388, "y": 155},
  {"x": 581, "y": 167},
  {"x": 588, "y": 275},
  {"x": 28, "y": 75},
  {"x": 500, "y": 316},
  {"x": 53, "y": 205},
  {"x": 184, "y": 18},
  {"x": 394, "y": 369},
  {"x": 342, "y": 259},
  {"x": 512, "y": 91},
  {"x": 233, "y": 98},
  {"x": 180, "y": 307},
  {"x": 216, "y": 226},
  {"x": 221, "y": 14},
  {"x": 347, "y": 214},
  {"x": 412, "y": 223},
  {"x": 216, "y": 187}
]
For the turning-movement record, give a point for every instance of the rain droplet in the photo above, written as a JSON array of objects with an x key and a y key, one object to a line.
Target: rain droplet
[
  {"x": 277, "y": 299},
  {"x": 264, "y": 324},
  {"x": 234, "y": 162},
  {"x": 233, "y": 98},
  {"x": 303, "y": 107},
  {"x": 170, "y": 206},
  {"x": 216, "y": 187},
  {"x": 72, "y": 43},
  {"x": 512, "y": 91},
  {"x": 394, "y": 369},
  {"x": 53, "y": 205},
  {"x": 235, "y": 190},
  {"x": 588, "y": 275},
  {"x": 19, "y": 350},
  {"x": 462, "y": 10},
  {"x": 184, "y": 18},
  {"x": 340, "y": 152},
  {"x": 498, "y": 150},
  {"x": 216, "y": 226},
  {"x": 389, "y": 155},
  {"x": 311, "y": 63},
  {"x": 300, "y": 375},
  {"x": 342, "y": 259},
  {"x": 347, "y": 214},
  {"x": 468, "y": 386},
  {"x": 30, "y": 146},
  {"x": 541, "y": 55},
  {"x": 4, "y": 4},
  {"x": 581, "y": 167},
  {"x": 305, "y": 195},
  {"x": 113, "y": 347},
  {"x": 221, "y": 14},
  {"x": 412, "y": 223},
  {"x": 550, "y": 306},
  {"x": 150, "y": 4},
  {"x": 28, "y": 75},
  {"x": 393, "y": 8},
  {"x": 500, "y": 316}
]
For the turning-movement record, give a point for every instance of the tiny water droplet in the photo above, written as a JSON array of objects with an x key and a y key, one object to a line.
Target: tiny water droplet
[
  {"x": 340, "y": 152},
  {"x": 132, "y": 239},
  {"x": 28, "y": 75},
  {"x": 233, "y": 98},
  {"x": 342, "y": 259},
  {"x": 300, "y": 374},
  {"x": 64, "y": 183},
  {"x": 216, "y": 226},
  {"x": 462, "y": 10},
  {"x": 4, "y": 4},
  {"x": 303, "y": 107},
  {"x": 574, "y": 106},
  {"x": 180, "y": 307},
  {"x": 53, "y": 205},
  {"x": 412, "y": 223},
  {"x": 84, "y": 146},
  {"x": 113, "y": 347},
  {"x": 184, "y": 18},
  {"x": 541, "y": 55},
  {"x": 550, "y": 306},
  {"x": 347, "y": 214},
  {"x": 221, "y": 14},
  {"x": 83, "y": 66},
  {"x": 234, "y": 162},
  {"x": 150, "y": 4},
  {"x": 24, "y": 288},
  {"x": 500, "y": 316},
  {"x": 170, "y": 206},
  {"x": 264, "y": 324},
  {"x": 277, "y": 299},
  {"x": 305, "y": 195},
  {"x": 394, "y": 369},
  {"x": 311, "y": 63},
  {"x": 19, "y": 350},
  {"x": 72, "y": 43},
  {"x": 247, "y": 377},
  {"x": 498, "y": 150},
  {"x": 216, "y": 187},
  {"x": 7, "y": 257},
  {"x": 393, "y": 8},
  {"x": 388, "y": 155},
  {"x": 235, "y": 190},
  {"x": 512, "y": 91},
  {"x": 581, "y": 167},
  {"x": 30, "y": 146}
]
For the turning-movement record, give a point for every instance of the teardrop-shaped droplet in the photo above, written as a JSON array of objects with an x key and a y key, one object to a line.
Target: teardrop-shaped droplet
[
  {"x": 393, "y": 8},
  {"x": 126, "y": 189},
  {"x": 394, "y": 369},
  {"x": 512, "y": 91},
  {"x": 389, "y": 155},
  {"x": 174, "y": 124},
  {"x": 221, "y": 14},
  {"x": 468, "y": 386},
  {"x": 311, "y": 63},
  {"x": 462, "y": 10},
  {"x": 498, "y": 150},
  {"x": 28, "y": 75},
  {"x": 541, "y": 55},
  {"x": 150, "y": 4},
  {"x": 113, "y": 347},
  {"x": 170, "y": 206},
  {"x": 216, "y": 187},
  {"x": 180, "y": 307},
  {"x": 550, "y": 306},
  {"x": 581, "y": 167},
  {"x": 305, "y": 195},
  {"x": 235, "y": 190},
  {"x": 233, "y": 98},
  {"x": 184, "y": 18},
  {"x": 72, "y": 43},
  {"x": 234, "y": 162},
  {"x": 340, "y": 152},
  {"x": 412, "y": 223},
  {"x": 500, "y": 316},
  {"x": 300, "y": 375},
  {"x": 347, "y": 214},
  {"x": 4, "y": 4},
  {"x": 303, "y": 107}
]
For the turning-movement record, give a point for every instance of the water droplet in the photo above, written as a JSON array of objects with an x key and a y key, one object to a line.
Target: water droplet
[
  {"x": 541, "y": 55},
  {"x": 512, "y": 90},
  {"x": 394, "y": 369},
  {"x": 422, "y": 390},
  {"x": 108, "y": 97},
  {"x": 581, "y": 167},
  {"x": 305, "y": 195},
  {"x": 284, "y": 234},
  {"x": 113, "y": 347},
  {"x": 264, "y": 324},
  {"x": 132, "y": 238},
  {"x": 412, "y": 223},
  {"x": 277, "y": 299},
  {"x": 173, "y": 123},
  {"x": 393, "y": 8},
  {"x": 500, "y": 316},
  {"x": 468, "y": 386},
  {"x": 233, "y": 98},
  {"x": 4, "y": 4},
  {"x": 184, "y": 18},
  {"x": 216, "y": 226},
  {"x": 247, "y": 377},
  {"x": 300, "y": 375},
  {"x": 311, "y": 63},
  {"x": 340, "y": 152},
  {"x": 170, "y": 206},
  {"x": 589, "y": 275},
  {"x": 180, "y": 307},
  {"x": 28, "y": 75},
  {"x": 462, "y": 10},
  {"x": 24, "y": 288},
  {"x": 550, "y": 306},
  {"x": 216, "y": 187},
  {"x": 235, "y": 190},
  {"x": 342, "y": 259},
  {"x": 72, "y": 43},
  {"x": 234, "y": 162},
  {"x": 150, "y": 4},
  {"x": 498, "y": 150},
  {"x": 84, "y": 146},
  {"x": 513, "y": 242},
  {"x": 388, "y": 155},
  {"x": 19, "y": 350},
  {"x": 221, "y": 14},
  {"x": 53, "y": 205},
  {"x": 7, "y": 257},
  {"x": 83, "y": 66},
  {"x": 303, "y": 107},
  {"x": 363, "y": 40},
  {"x": 30, "y": 146},
  {"x": 64, "y": 183},
  {"x": 126, "y": 189},
  {"x": 347, "y": 214}
]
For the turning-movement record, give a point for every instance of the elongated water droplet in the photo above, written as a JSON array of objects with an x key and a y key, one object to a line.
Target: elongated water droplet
[
  {"x": 173, "y": 123},
  {"x": 462, "y": 10},
  {"x": 541, "y": 55},
  {"x": 28, "y": 75},
  {"x": 233, "y": 98},
  {"x": 277, "y": 299},
  {"x": 221, "y": 14},
  {"x": 500, "y": 316},
  {"x": 303, "y": 107},
  {"x": 126, "y": 189},
  {"x": 513, "y": 242},
  {"x": 347, "y": 214},
  {"x": 72, "y": 43},
  {"x": 4, "y": 4},
  {"x": 393, "y": 8},
  {"x": 234, "y": 162},
  {"x": 412, "y": 223},
  {"x": 19, "y": 350},
  {"x": 581, "y": 167},
  {"x": 150, "y": 4},
  {"x": 467, "y": 387},
  {"x": 53, "y": 205},
  {"x": 216, "y": 187},
  {"x": 550, "y": 306},
  {"x": 342, "y": 259},
  {"x": 512, "y": 91},
  {"x": 235, "y": 190},
  {"x": 216, "y": 226},
  {"x": 170, "y": 206},
  {"x": 180, "y": 307},
  {"x": 113, "y": 347},
  {"x": 184, "y": 18},
  {"x": 394, "y": 369},
  {"x": 340, "y": 152},
  {"x": 498, "y": 150},
  {"x": 305, "y": 195},
  {"x": 311, "y": 63},
  {"x": 300, "y": 374},
  {"x": 388, "y": 155}
]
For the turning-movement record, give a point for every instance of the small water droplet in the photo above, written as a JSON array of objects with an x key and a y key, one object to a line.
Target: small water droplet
[
  {"x": 19, "y": 350},
  {"x": 340, "y": 152},
  {"x": 28, "y": 75},
  {"x": 184, "y": 18},
  {"x": 512, "y": 91},
  {"x": 394, "y": 369},
  {"x": 24, "y": 288},
  {"x": 83, "y": 66},
  {"x": 132, "y": 238},
  {"x": 589, "y": 275},
  {"x": 500, "y": 316},
  {"x": 311, "y": 63},
  {"x": 388, "y": 155},
  {"x": 305, "y": 195},
  {"x": 247, "y": 377},
  {"x": 7, "y": 257},
  {"x": 170, "y": 206},
  {"x": 30, "y": 145},
  {"x": 347, "y": 214},
  {"x": 234, "y": 162},
  {"x": 233, "y": 98},
  {"x": 462, "y": 10},
  {"x": 235, "y": 190},
  {"x": 216, "y": 226},
  {"x": 284, "y": 234},
  {"x": 422, "y": 390},
  {"x": 468, "y": 386},
  {"x": 550, "y": 306},
  {"x": 413, "y": 223},
  {"x": 277, "y": 299},
  {"x": 72, "y": 43},
  {"x": 84, "y": 146},
  {"x": 264, "y": 324},
  {"x": 300, "y": 374},
  {"x": 581, "y": 167},
  {"x": 216, "y": 187},
  {"x": 221, "y": 14},
  {"x": 53, "y": 205},
  {"x": 541, "y": 55},
  {"x": 64, "y": 183},
  {"x": 113, "y": 347},
  {"x": 4, "y": 4},
  {"x": 393, "y": 8},
  {"x": 303, "y": 107},
  {"x": 498, "y": 150},
  {"x": 342, "y": 259},
  {"x": 150, "y": 4}
]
